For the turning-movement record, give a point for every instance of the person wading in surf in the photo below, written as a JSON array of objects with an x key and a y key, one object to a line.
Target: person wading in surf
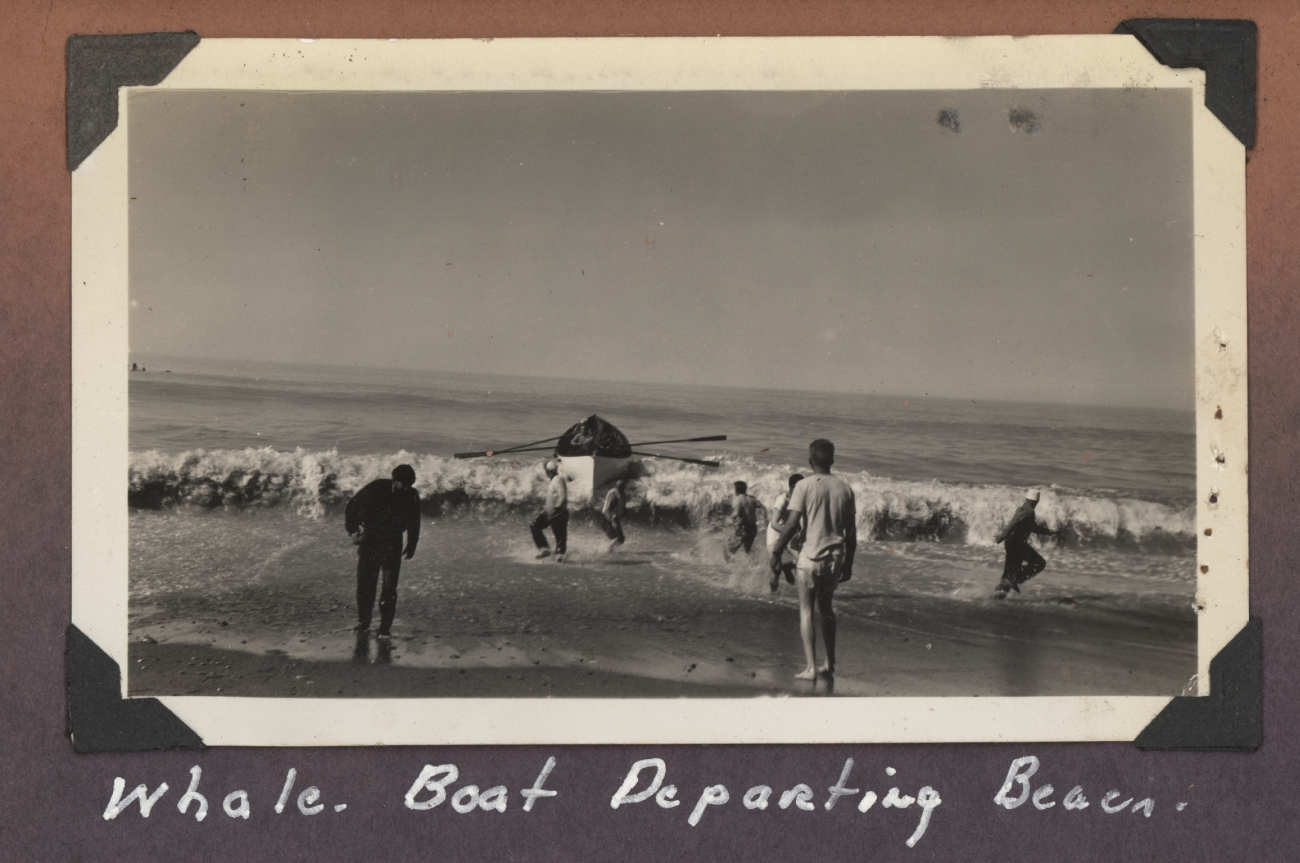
[
  {"x": 555, "y": 515},
  {"x": 744, "y": 512},
  {"x": 612, "y": 512},
  {"x": 1022, "y": 562},
  {"x": 779, "y": 514},
  {"x": 376, "y": 518},
  {"x": 830, "y": 516}
]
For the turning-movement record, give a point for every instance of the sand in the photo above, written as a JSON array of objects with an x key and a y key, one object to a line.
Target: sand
[{"x": 555, "y": 630}]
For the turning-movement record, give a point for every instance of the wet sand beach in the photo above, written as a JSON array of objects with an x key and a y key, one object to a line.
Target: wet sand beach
[{"x": 625, "y": 625}]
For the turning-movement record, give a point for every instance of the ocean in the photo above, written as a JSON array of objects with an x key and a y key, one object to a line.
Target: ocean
[{"x": 239, "y": 473}]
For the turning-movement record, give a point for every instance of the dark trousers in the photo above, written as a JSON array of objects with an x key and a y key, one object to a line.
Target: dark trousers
[
  {"x": 742, "y": 538},
  {"x": 1023, "y": 563},
  {"x": 376, "y": 554},
  {"x": 559, "y": 525},
  {"x": 613, "y": 528}
]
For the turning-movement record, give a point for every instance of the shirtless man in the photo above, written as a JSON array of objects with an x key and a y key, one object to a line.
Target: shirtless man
[
  {"x": 830, "y": 541},
  {"x": 779, "y": 513},
  {"x": 555, "y": 515},
  {"x": 612, "y": 512},
  {"x": 744, "y": 512}
]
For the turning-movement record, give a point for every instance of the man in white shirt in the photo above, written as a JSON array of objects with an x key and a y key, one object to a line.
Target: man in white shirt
[
  {"x": 830, "y": 542},
  {"x": 555, "y": 515},
  {"x": 779, "y": 514}
]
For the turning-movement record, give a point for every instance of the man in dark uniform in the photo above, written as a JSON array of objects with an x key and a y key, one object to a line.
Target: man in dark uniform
[
  {"x": 1022, "y": 562},
  {"x": 376, "y": 517}
]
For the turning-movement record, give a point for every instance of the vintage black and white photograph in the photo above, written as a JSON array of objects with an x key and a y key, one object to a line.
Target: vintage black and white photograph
[{"x": 662, "y": 394}]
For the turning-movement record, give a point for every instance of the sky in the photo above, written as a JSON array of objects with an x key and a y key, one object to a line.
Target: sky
[{"x": 842, "y": 241}]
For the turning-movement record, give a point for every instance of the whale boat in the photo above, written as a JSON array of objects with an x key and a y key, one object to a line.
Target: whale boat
[{"x": 593, "y": 454}]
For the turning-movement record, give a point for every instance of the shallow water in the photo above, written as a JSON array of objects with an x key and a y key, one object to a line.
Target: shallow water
[{"x": 239, "y": 474}]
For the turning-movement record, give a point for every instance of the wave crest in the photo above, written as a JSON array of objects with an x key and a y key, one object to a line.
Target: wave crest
[{"x": 317, "y": 482}]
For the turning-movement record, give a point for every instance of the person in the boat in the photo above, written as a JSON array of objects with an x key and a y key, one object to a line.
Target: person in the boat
[
  {"x": 744, "y": 514},
  {"x": 780, "y": 513},
  {"x": 555, "y": 515},
  {"x": 375, "y": 518},
  {"x": 1022, "y": 561},
  {"x": 612, "y": 513},
  {"x": 830, "y": 515}
]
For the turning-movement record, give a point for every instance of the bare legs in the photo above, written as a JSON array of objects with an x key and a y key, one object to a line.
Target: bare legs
[
  {"x": 808, "y": 594},
  {"x": 806, "y": 631},
  {"x": 827, "y": 610}
]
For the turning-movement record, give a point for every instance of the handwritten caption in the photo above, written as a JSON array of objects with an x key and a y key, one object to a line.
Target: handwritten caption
[{"x": 645, "y": 781}]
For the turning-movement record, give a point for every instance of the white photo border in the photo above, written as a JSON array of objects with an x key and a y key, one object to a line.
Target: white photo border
[{"x": 100, "y": 351}]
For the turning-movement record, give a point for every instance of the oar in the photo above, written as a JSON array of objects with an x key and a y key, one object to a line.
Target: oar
[
  {"x": 679, "y": 458},
  {"x": 523, "y": 447},
  {"x": 493, "y": 452},
  {"x": 534, "y": 443},
  {"x": 682, "y": 440}
]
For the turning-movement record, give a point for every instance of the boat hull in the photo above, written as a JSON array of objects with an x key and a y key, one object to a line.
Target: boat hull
[{"x": 588, "y": 475}]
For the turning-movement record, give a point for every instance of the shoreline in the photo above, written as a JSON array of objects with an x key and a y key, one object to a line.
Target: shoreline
[
  {"x": 734, "y": 646},
  {"x": 664, "y": 616}
]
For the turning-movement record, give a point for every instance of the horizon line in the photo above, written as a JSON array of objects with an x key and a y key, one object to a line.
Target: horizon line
[{"x": 900, "y": 395}]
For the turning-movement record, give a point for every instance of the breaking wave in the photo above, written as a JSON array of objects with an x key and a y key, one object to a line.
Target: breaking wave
[{"x": 314, "y": 483}]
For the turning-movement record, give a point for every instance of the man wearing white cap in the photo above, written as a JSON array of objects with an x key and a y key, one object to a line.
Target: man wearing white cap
[
  {"x": 555, "y": 515},
  {"x": 1023, "y": 563}
]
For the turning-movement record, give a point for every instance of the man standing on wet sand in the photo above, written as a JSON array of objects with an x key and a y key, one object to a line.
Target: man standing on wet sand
[
  {"x": 744, "y": 510},
  {"x": 1022, "y": 562},
  {"x": 376, "y": 518},
  {"x": 830, "y": 517},
  {"x": 555, "y": 515}
]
